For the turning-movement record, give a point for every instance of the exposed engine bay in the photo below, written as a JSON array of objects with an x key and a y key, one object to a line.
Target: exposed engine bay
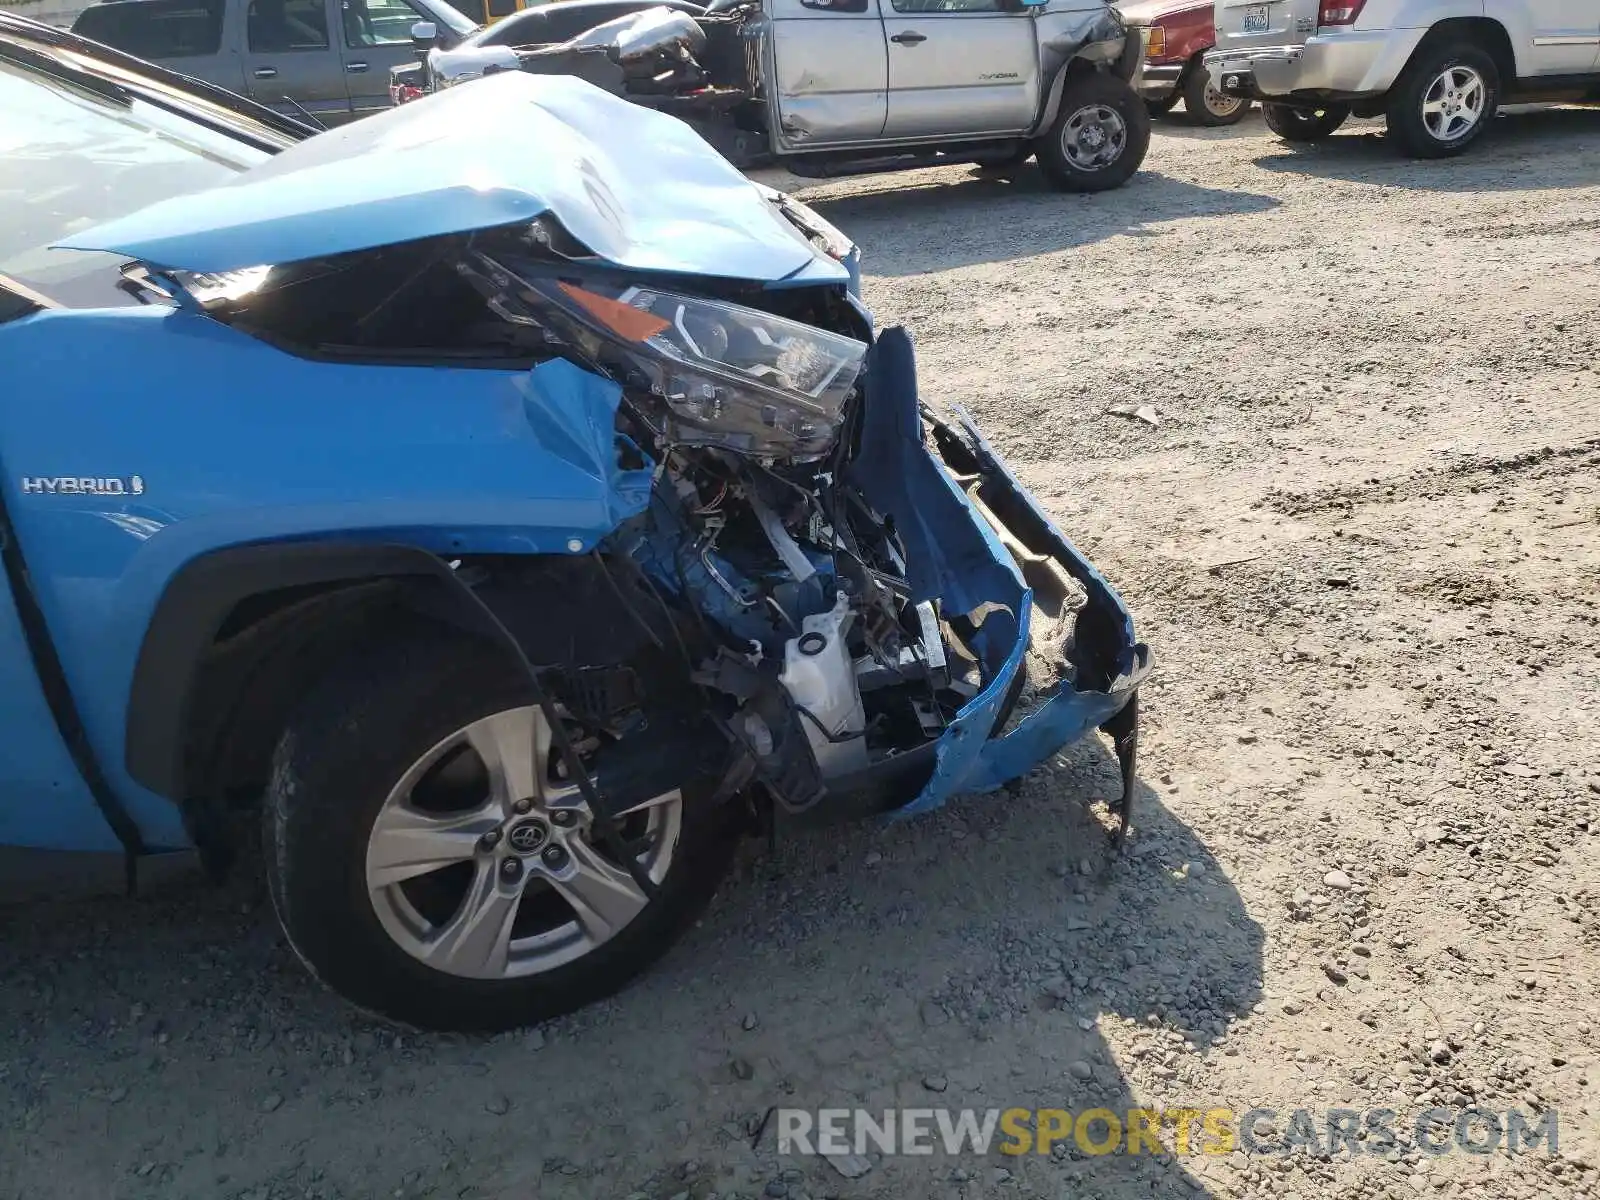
[
  {"x": 820, "y": 659},
  {"x": 791, "y": 597}
]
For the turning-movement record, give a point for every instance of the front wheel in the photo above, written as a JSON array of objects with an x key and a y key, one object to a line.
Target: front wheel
[
  {"x": 1444, "y": 101},
  {"x": 1304, "y": 124},
  {"x": 1098, "y": 138},
  {"x": 430, "y": 860}
]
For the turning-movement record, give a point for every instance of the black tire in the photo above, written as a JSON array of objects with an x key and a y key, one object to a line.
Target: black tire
[
  {"x": 1408, "y": 124},
  {"x": 1206, "y": 106},
  {"x": 1304, "y": 124},
  {"x": 373, "y": 716},
  {"x": 1086, "y": 100},
  {"x": 1161, "y": 107}
]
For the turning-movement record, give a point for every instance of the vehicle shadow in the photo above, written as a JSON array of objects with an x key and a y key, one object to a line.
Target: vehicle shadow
[
  {"x": 1177, "y": 125},
  {"x": 927, "y": 221},
  {"x": 970, "y": 959},
  {"x": 1361, "y": 153}
]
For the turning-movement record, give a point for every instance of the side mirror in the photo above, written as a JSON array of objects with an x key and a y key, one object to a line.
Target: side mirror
[{"x": 423, "y": 36}]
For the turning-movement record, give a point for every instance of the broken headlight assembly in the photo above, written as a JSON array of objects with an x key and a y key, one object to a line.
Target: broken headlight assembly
[{"x": 720, "y": 374}]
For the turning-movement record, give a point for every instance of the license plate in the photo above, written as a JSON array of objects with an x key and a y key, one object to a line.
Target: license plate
[{"x": 1255, "y": 19}]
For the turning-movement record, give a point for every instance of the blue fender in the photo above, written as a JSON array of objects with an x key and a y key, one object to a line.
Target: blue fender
[{"x": 180, "y": 436}]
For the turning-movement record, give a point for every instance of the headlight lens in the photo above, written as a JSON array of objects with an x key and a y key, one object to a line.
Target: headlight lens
[
  {"x": 744, "y": 345},
  {"x": 723, "y": 374}
]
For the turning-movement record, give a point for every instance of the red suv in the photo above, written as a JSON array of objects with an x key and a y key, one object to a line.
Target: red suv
[{"x": 1181, "y": 31}]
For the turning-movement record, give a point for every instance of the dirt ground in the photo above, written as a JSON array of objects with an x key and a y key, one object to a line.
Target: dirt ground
[{"x": 1364, "y": 543}]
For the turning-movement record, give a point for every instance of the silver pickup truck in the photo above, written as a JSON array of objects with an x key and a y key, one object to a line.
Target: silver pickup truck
[{"x": 836, "y": 87}]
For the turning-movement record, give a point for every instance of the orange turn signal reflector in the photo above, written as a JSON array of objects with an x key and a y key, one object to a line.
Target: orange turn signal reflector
[
  {"x": 1158, "y": 42},
  {"x": 622, "y": 319}
]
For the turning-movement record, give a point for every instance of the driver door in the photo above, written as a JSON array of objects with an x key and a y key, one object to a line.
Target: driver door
[
  {"x": 374, "y": 36},
  {"x": 960, "y": 67},
  {"x": 291, "y": 61},
  {"x": 832, "y": 71}
]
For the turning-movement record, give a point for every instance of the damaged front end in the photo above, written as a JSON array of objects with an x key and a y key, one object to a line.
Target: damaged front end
[
  {"x": 862, "y": 615},
  {"x": 870, "y": 611}
]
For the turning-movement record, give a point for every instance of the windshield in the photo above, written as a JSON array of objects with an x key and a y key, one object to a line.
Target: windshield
[{"x": 73, "y": 155}]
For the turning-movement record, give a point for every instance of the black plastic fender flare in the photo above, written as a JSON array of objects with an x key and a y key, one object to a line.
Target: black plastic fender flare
[
  {"x": 57, "y": 691},
  {"x": 193, "y": 607},
  {"x": 202, "y": 594},
  {"x": 1109, "y": 46}
]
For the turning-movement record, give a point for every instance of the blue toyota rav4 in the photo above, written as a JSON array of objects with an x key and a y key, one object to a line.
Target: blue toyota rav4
[{"x": 503, "y": 504}]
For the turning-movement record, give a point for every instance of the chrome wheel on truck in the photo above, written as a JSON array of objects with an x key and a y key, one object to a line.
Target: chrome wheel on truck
[{"x": 1205, "y": 105}]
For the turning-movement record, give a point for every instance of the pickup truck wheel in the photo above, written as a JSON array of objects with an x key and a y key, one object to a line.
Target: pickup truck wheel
[
  {"x": 1099, "y": 136},
  {"x": 1444, "y": 101},
  {"x": 1206, "y": 106},
  {"x": 1304, "y": 124},
  {"x": 429, "y": 860}
]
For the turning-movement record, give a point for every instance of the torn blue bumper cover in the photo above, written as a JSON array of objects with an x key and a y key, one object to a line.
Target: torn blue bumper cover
[{"x": 976, "y": 539}]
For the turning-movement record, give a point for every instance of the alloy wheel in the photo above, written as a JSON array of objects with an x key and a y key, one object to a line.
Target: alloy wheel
[
  {"x": 484, "y": 863},
  {"x": 1454, "y": 103}
]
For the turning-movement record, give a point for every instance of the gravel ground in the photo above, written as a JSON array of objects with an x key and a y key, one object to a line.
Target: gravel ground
[{"x": 1364, "y": 541}]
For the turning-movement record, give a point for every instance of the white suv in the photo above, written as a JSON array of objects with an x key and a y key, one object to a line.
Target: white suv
[{"x": 1437, "y": 69}]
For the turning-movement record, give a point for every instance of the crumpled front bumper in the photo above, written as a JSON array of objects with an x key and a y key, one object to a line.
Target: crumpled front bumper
[
  {"x": 1157, "y": 81},
  {"x": 970, "y": 528}
]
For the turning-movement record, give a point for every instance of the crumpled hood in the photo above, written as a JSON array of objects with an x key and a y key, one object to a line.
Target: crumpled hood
[{"x": 639, "y": 188}]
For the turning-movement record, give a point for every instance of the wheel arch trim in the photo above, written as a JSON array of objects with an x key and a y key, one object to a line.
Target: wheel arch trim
[
  {"x": 192, "y": 610},
  {"x": 1109, "y": 45},
  {"x": 1489, "y": 34}
]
